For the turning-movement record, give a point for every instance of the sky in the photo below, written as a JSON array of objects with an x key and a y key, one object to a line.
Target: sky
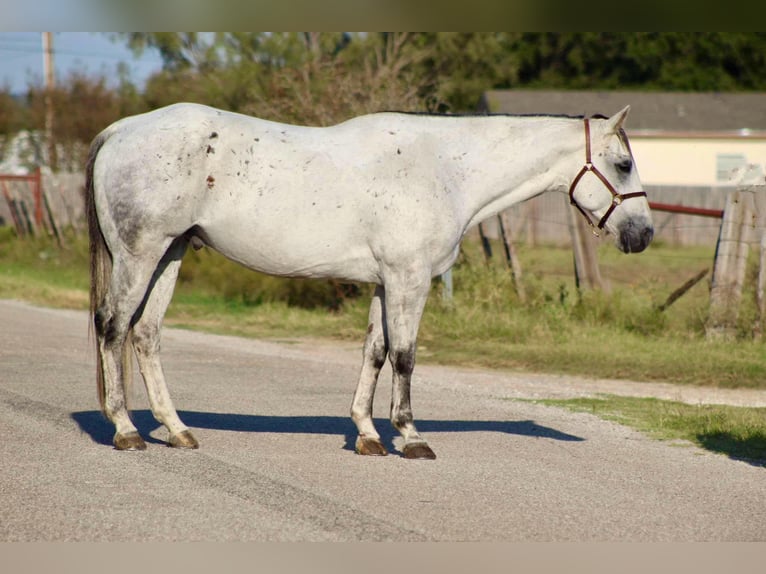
[{"x": 21, "y": 58}]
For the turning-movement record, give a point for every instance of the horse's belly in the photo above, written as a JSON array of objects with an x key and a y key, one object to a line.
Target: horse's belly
[{"x": 291, "y": 253}]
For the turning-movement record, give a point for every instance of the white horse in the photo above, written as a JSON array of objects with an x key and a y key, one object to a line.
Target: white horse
[{"x": 384, "y": 198}]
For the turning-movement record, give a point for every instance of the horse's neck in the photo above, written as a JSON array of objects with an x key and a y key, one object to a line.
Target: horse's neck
[{"x": 521, "y": 158}]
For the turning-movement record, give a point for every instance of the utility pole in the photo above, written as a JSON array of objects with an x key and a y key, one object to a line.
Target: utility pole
[{"x": 50, "y": 84}]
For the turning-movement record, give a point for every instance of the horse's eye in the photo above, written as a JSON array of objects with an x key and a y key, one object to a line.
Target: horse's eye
[{"x": 625, "y": 165}]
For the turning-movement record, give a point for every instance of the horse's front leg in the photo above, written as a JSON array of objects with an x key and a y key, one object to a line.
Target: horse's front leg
[
  {"x": 374, "y": 356},
  {"x": 404, "y": 304}
]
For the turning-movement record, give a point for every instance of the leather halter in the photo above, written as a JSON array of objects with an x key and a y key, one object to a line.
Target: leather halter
[{"x": 617, "y": 198}]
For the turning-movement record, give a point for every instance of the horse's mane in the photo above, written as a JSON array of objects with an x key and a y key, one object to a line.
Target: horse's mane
[
  {"x": 620, "y": 133},
  {"x": 488, "y": 114}
]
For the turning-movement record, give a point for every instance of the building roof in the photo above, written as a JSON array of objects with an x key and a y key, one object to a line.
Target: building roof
[{"x": 665, "y": 111}]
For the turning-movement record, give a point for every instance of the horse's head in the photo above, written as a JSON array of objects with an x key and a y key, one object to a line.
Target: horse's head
[{"x": 608, "y": 185}]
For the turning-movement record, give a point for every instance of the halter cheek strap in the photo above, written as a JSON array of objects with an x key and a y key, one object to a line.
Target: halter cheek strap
[{"x": 617, "y": 198}]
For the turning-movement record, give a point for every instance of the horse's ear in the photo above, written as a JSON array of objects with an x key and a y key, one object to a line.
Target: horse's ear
[{"x": 616, "y": 121}]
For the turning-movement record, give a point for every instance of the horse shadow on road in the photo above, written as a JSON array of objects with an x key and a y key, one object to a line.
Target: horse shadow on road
[{"x": 101, "y": 431}]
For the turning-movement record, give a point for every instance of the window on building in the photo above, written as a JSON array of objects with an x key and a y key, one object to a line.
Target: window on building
[{"x": 728, "y": 164}]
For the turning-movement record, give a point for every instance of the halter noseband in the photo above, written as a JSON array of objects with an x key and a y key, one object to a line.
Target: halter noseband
[{"x": 617, "y": 198}]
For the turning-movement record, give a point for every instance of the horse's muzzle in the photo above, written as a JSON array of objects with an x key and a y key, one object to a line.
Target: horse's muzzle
[{"x": 635, "y": 235}]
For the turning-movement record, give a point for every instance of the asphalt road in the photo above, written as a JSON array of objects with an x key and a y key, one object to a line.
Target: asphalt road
[{"x": 276, "y": 460}]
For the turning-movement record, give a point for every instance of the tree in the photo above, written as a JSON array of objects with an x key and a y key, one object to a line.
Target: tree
[
  {"x": 460, "y": 66},
  {"x": 83, "y": 106},
  {"x": 13, "y": 113},
  {"x": 304, "y": 77},
  {"x": 683, "y": 61},
  {"x": 340, "y": 77},
  {"x": 447, "y": 71},
  {"x": 179, "y": 50}
]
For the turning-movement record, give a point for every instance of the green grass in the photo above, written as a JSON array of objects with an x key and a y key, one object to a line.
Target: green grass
[
  {"x": 737, "y": 432},
  {"x": 36, "y": 270},
  {"x": 619, "y": 334}
]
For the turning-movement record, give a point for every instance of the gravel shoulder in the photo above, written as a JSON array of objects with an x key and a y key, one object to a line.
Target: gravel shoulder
[{"x": 526, "y": 385}]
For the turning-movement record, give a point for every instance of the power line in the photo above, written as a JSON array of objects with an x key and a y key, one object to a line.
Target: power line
[{"x": 101, "y": 55}]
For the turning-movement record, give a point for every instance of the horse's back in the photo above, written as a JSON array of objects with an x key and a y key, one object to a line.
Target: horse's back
[{"x": 284, "y": 199}]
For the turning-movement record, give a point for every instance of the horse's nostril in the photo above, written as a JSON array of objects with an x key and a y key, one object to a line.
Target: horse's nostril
[
  {"x": 635, "y": 236},
  {"x": 642, "y": 239},
  {"x": 647, "y": 235}
]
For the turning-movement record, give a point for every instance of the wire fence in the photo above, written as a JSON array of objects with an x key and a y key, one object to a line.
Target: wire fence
[{"x": 543, "y": 219}]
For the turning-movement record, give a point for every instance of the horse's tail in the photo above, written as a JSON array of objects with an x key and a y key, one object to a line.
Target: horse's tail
[{"x": 100, "y": 270}]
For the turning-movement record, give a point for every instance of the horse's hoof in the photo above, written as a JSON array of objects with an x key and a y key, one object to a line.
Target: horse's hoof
[
  {"x": 129, "y": 441},
  {"x": 420, "y": 451},
  {"x": 370, "y": 447},
  {"x": 184, "y": 439}
]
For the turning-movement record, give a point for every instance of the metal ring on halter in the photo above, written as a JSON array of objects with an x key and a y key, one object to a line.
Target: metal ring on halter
[{"x": 617, "y": 198}]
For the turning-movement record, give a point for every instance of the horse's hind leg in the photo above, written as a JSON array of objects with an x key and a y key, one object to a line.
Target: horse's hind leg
[
  {"x": 146, "y": 344},
  {"x": 374, "y": 356},
  {"x": 111, "y": 346},
  {"x": 130, "y": 278}
]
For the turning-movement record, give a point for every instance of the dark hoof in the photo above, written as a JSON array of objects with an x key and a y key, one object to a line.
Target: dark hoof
[
  {"x": 370, "y": 447},
  {"x": 420, "y": 451},
  {"x": 130, "y": 441},
  {"x": 183, "y": 439}
]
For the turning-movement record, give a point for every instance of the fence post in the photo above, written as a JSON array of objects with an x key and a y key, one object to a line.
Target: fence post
[
  {"x": 485, "y": 244},
  {"x": 729, "y": 267},
  {"x": 759, "y": 291},
  {"x": 587, "y": 272},
  {"x": 446, "y": 279},
  {"x": 36, "y": 180},
  {"x": 13, "y": 210},
  {"x": 510, "y": 255}
]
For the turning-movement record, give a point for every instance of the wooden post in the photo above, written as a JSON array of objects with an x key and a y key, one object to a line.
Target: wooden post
[
  {"x": 36, "y": 184},
  {"x": 15, "y": 215},
  {"x": 532, "y": 217},
  {"x": 675, "y": 295},
  {"x": 52, "y": 218},
  {"x": 510, "y": 255},
  {"x": 50, "y": 84},
  {"x": 587, "y": 273},
  {"x": 26, "y": 218},
  {"x": 485, "y": 243},
  {"x": 729, "y": 267},
  {"x": 447, "y": 291},
  {"x": 759, "y": 291}
]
